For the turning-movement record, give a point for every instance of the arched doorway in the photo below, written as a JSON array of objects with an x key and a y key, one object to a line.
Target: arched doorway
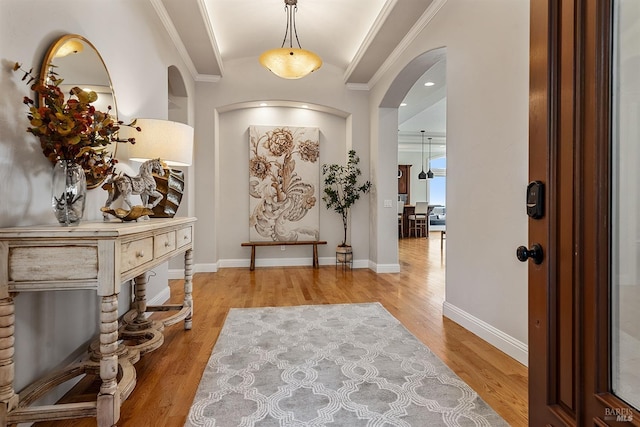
[
  {"x": 427, "y": 110},
  {"x": 178, "y": 111}
]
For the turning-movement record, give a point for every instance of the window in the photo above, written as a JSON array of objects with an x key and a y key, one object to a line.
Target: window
[{"x": 437, "y": 185}]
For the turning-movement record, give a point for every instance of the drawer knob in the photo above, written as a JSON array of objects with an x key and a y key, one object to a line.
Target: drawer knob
[
  {"x": 166, "y": 244},
  {"x": 184, "y": 237},
  {"x": 140, "y": 254}
]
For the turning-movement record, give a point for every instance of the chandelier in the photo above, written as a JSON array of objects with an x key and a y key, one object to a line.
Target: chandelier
[{"x": 290, "y": 62}]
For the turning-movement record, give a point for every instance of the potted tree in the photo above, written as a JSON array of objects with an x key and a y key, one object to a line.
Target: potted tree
[{"x": 341, "y": 191}]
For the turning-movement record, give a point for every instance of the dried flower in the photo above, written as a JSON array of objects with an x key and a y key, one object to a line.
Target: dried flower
[{"x": 72, "y": 129}]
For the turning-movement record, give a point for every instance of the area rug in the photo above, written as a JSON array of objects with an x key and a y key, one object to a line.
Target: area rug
[{"x": 351, "y": 365}]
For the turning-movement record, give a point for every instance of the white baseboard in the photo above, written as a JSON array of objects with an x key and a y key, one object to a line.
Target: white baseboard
[
  {"x": 285, "y": 262},
  {"x": 233, "y": 263},
  {"x": 506, "y": 343},
  {"x": 160, "y": 298},
  {"x": 384, "y": 268},
  {"x": 178, "y": 273},
  {"x": 357, "y": 263},
  {"x": 206, "y": 268},
  {"x": 282, "y": 262}
]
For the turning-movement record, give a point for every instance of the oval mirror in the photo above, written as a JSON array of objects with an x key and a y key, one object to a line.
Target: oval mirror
[{"x": 78, "y": 63}]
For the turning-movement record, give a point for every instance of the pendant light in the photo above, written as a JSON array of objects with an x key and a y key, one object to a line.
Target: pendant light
[
  {"x": 422, "y": 175},
  {"x": 290, "y": 62},
  {"x": 429, "y": 172}
]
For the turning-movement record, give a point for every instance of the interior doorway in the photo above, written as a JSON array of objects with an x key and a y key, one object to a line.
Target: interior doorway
[
  {"x": 422, "y": 148},
  {"x": 178, "y": 111}
]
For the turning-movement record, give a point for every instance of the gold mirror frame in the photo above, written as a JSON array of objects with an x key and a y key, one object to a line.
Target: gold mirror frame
[{"x": 79, "y": 63}]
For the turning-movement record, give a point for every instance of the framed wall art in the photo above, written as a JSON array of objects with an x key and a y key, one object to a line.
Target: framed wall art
[{"x": 284, "y": 174}]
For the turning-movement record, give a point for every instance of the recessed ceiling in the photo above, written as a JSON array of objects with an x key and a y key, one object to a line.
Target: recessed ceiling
[
  {"x": 425, "y": 107},
  {"x": 356, "y": 36},
  {"x": 243, "y": 29}
]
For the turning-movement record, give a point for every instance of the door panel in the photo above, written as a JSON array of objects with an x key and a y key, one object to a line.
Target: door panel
[
  {"x": 569, "y": 148},
  {"x": 551, "y": 332}
]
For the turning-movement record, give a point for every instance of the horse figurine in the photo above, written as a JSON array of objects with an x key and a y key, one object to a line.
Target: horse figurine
[{"x": 143, "y": 184}]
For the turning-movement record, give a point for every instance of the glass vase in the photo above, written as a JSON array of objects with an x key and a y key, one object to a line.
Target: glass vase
[{"x": 69, "y": 192}]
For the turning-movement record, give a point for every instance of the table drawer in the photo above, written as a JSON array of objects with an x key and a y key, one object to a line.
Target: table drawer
[
  {"x": 136, "y": 253},
  {"x": 51, "y": 263},
  {"x": 164, "y": 243},
  {"x": 183, "y": 236}
]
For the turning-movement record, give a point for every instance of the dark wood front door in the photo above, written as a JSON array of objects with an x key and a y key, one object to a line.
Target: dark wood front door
[{"x": 570, "y": 291}]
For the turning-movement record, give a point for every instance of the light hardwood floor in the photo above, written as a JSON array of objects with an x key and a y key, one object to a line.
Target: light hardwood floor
[{"x": 168, "y": 378}]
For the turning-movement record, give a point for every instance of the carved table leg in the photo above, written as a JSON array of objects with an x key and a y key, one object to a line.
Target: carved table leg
[
  {"x": 140, "y": 305},
  {"x": 141, "y": 334},
  {"x": 8, "y": 396},
  {"x": 108, "y": 398},
  {"x": 188, "y": 286}
]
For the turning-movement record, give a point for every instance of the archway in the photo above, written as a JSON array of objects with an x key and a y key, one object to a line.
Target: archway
[
  {"x": 178, "y": 111},
  {"x": 387, "y": 149}
]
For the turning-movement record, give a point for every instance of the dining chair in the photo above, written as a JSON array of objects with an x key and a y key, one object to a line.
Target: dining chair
[{"x": 418, "y": 220}]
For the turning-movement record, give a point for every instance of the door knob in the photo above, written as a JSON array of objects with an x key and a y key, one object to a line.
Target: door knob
[{"x": 535, "y": 253}]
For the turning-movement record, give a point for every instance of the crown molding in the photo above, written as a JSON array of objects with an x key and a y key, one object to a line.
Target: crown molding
[
  {"x": 202, "y": 6},
  {"x": 175, "y": 37},
  {"x": 358, "y": 86},
  {"x": 207, "y": 78},
  {"x": 422, "y": 23},
  {"x": 375, "y": 28}
]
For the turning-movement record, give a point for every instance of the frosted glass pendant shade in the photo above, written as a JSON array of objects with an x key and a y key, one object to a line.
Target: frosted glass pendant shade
[{"x": 290, "y": 63}]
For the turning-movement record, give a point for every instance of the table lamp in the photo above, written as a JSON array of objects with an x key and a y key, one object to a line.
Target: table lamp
[{"x": 172, "y": 142}]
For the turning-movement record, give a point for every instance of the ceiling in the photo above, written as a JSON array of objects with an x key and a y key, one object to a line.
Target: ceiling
[{"x": 211, "y": 33}]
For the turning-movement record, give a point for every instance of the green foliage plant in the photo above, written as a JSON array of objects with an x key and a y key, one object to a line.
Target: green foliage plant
[{"x": 341, "y": 188}]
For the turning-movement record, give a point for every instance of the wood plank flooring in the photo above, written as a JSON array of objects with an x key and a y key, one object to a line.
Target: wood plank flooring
[{"x": 168, "y": 377}]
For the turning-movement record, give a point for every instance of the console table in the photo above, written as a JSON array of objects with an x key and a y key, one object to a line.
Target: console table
[{"x": 98, "y": 256}]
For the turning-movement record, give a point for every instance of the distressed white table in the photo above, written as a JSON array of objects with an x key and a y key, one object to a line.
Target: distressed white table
[{"x": 99, "y": 256}]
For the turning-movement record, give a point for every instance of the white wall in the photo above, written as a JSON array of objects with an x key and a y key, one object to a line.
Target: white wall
[
  {"x": 52, "y": 326},
  {"x": 487, "y": 162},
  {"x": 234, "y": 207},
  {"x": 221, "y": 169}
]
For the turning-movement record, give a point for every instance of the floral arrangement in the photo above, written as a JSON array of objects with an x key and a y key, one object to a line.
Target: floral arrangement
[{"x": 72, "y": 128}]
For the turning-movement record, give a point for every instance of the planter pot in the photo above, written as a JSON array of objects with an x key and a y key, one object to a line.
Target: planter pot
[
  {"x": 68, "y": 192},
  {"x": 344, "y": 254}
]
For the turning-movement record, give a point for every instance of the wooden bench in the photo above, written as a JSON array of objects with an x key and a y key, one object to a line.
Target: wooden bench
[{"x": 315, "y": 244}]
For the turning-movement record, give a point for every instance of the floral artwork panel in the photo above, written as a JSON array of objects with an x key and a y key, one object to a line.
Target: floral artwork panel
[{"x": 284, "y": 174}]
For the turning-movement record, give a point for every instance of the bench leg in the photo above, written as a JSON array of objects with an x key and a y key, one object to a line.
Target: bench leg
[
  {"x": 253, "y": 258},
  {"x": 315, "y": 255}
]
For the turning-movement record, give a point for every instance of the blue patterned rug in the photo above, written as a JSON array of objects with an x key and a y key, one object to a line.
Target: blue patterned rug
[{"x": 345, "y": 365}]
